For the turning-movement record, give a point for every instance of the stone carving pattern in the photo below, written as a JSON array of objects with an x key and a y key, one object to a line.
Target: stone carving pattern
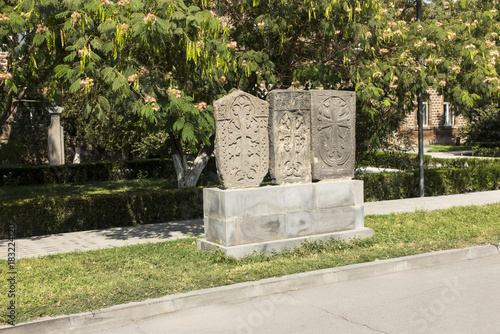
[
  {"x": 293, "y": 135},
  {"x": 242, "y": 145},
  {"x": 334, "y": 127},
  {"x": 293, "y": 144}
]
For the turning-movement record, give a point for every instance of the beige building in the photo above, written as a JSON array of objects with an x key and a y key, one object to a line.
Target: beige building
[{"x": 441, "y": 125}]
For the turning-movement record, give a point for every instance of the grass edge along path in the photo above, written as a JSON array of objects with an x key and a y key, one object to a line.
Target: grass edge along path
[{"x": 84, "y": 281}]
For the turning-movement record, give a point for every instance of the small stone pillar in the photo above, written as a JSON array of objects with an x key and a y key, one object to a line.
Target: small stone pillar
[{"x": 56, "y": 137}]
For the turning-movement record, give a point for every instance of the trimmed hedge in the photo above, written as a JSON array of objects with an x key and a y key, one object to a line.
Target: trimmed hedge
[
  {"x": 79, "y": 213},
  {"x": 86, "y": 172},
  {"x": 164, "y": 168},
  {"x": 409, "y": 161},
  {"x": 99, "y": 171},
  {"x": 401, "y": 161},
  {"x": 488, "y": 144},
  {"x": 487, "y": 152},
  {"x": 388, "y": 186}
]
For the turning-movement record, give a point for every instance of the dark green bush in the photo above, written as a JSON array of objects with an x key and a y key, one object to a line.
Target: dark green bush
[
  {"x": 409, "y": 161},
  {"x": 488, "y": 144},
  {"x": 388, "y": 186},
  {"x": 99, "y": 171},
  {"x": 79, "y": 213},
  {"x": 401, "y": 161},
  {"x": 487, "y": 152}
]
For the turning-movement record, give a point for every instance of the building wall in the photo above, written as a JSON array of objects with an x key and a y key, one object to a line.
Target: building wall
[{"x": 436, "y": 132}]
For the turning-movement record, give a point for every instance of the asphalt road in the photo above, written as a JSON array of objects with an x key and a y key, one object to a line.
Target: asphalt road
[{"x": 460, "y": 297}]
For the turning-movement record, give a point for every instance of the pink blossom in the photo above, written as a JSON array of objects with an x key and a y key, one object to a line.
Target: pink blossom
[
  {"x": 132, "y": 78},
  {"x": 149, "y": 18},
  {"x": 76, "y": 16},
  {"x": 201, "y": 106}
]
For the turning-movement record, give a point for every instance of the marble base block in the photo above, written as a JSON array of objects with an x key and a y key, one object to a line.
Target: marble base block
[{"x": 271, "y": 218}]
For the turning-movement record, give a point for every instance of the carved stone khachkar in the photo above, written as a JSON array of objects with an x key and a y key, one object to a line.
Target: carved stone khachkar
[
  {"x": 241, "y": 140},
  {"x": 333, "y": 118},
  {"x": 289, "y": 136},
  {"x": 311, "y": 135}
]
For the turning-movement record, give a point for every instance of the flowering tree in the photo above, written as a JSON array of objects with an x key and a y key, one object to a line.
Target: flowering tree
[
  {"x": 164, "y": 61},
  {"x": 378, "y": 49},
  {"x": 157, "y": 59},
  {"x": 25, "y": 70}
]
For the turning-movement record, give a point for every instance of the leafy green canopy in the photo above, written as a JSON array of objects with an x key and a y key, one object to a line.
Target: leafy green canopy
[
  {"x": 378, "y": 49},
  {"x": 165, "y": 61}
]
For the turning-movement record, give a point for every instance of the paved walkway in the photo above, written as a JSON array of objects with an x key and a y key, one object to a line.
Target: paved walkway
[{"x": 122, "y": 236}]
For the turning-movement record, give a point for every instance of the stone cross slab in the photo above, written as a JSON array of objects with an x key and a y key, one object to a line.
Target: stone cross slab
[
  {"x": 311, "y": 136},
  {"x": 289, "y": 136},
  {"x": 333, "y": 120},
  {"x": 241, "y": 140}
]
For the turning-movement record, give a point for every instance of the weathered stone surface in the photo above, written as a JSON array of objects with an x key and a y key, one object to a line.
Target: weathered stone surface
[
  {"x": 333, "y": 119},
  {"x": 241, "y": 140},
  {"x": 272, "y": 246},
  {"x": 56, "y": 140},
  {"x": 289, "y": 136},
  {"x": 242, "y": 216}
]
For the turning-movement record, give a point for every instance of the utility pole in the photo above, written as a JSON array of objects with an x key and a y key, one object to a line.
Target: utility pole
[{"x": 420, "y": 123}]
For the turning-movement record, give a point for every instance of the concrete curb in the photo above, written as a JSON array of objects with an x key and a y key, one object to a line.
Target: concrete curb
[{"x": 121, "y": 315}]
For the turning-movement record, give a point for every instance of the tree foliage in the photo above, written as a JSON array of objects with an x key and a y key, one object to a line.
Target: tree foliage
[
  {"x": 142, "y": 67},
  {"x": 162, "y": 61},
  {"x": 378, "y": 49},
  {"x": 484, "y": 127}
]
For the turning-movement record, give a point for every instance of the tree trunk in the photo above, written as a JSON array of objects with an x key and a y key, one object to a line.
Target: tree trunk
[
  {"x": 7, "y": 114},
  {"x": 188, "y": 168}
]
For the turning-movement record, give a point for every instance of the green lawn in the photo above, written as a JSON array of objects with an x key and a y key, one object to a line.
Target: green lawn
[
  {"x": 448, "y": 148},
  {"x": 83, "y": 281}
]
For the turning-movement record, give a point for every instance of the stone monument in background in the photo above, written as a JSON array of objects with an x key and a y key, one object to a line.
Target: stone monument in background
[
  {"x": 56, "y": 137},
  {"x": 311, "y": 137}
]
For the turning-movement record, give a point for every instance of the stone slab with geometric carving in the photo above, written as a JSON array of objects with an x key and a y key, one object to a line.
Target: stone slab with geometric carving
[
  {"x": 333, "y": 119},
  {"x": 241, "y": 140},
  {"x": 289, "y": 136}
]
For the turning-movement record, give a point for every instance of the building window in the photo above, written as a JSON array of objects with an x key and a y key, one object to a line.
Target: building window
[
  {"x": 425, "y": 113},
  {"x": 449, "y": 118}
]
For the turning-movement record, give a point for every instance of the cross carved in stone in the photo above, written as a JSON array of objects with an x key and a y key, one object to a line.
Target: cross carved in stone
[
  {"x": 334, "y": 127},
  {"x": 293, "y": 131},
  {"x": 245, "y": 130}
]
